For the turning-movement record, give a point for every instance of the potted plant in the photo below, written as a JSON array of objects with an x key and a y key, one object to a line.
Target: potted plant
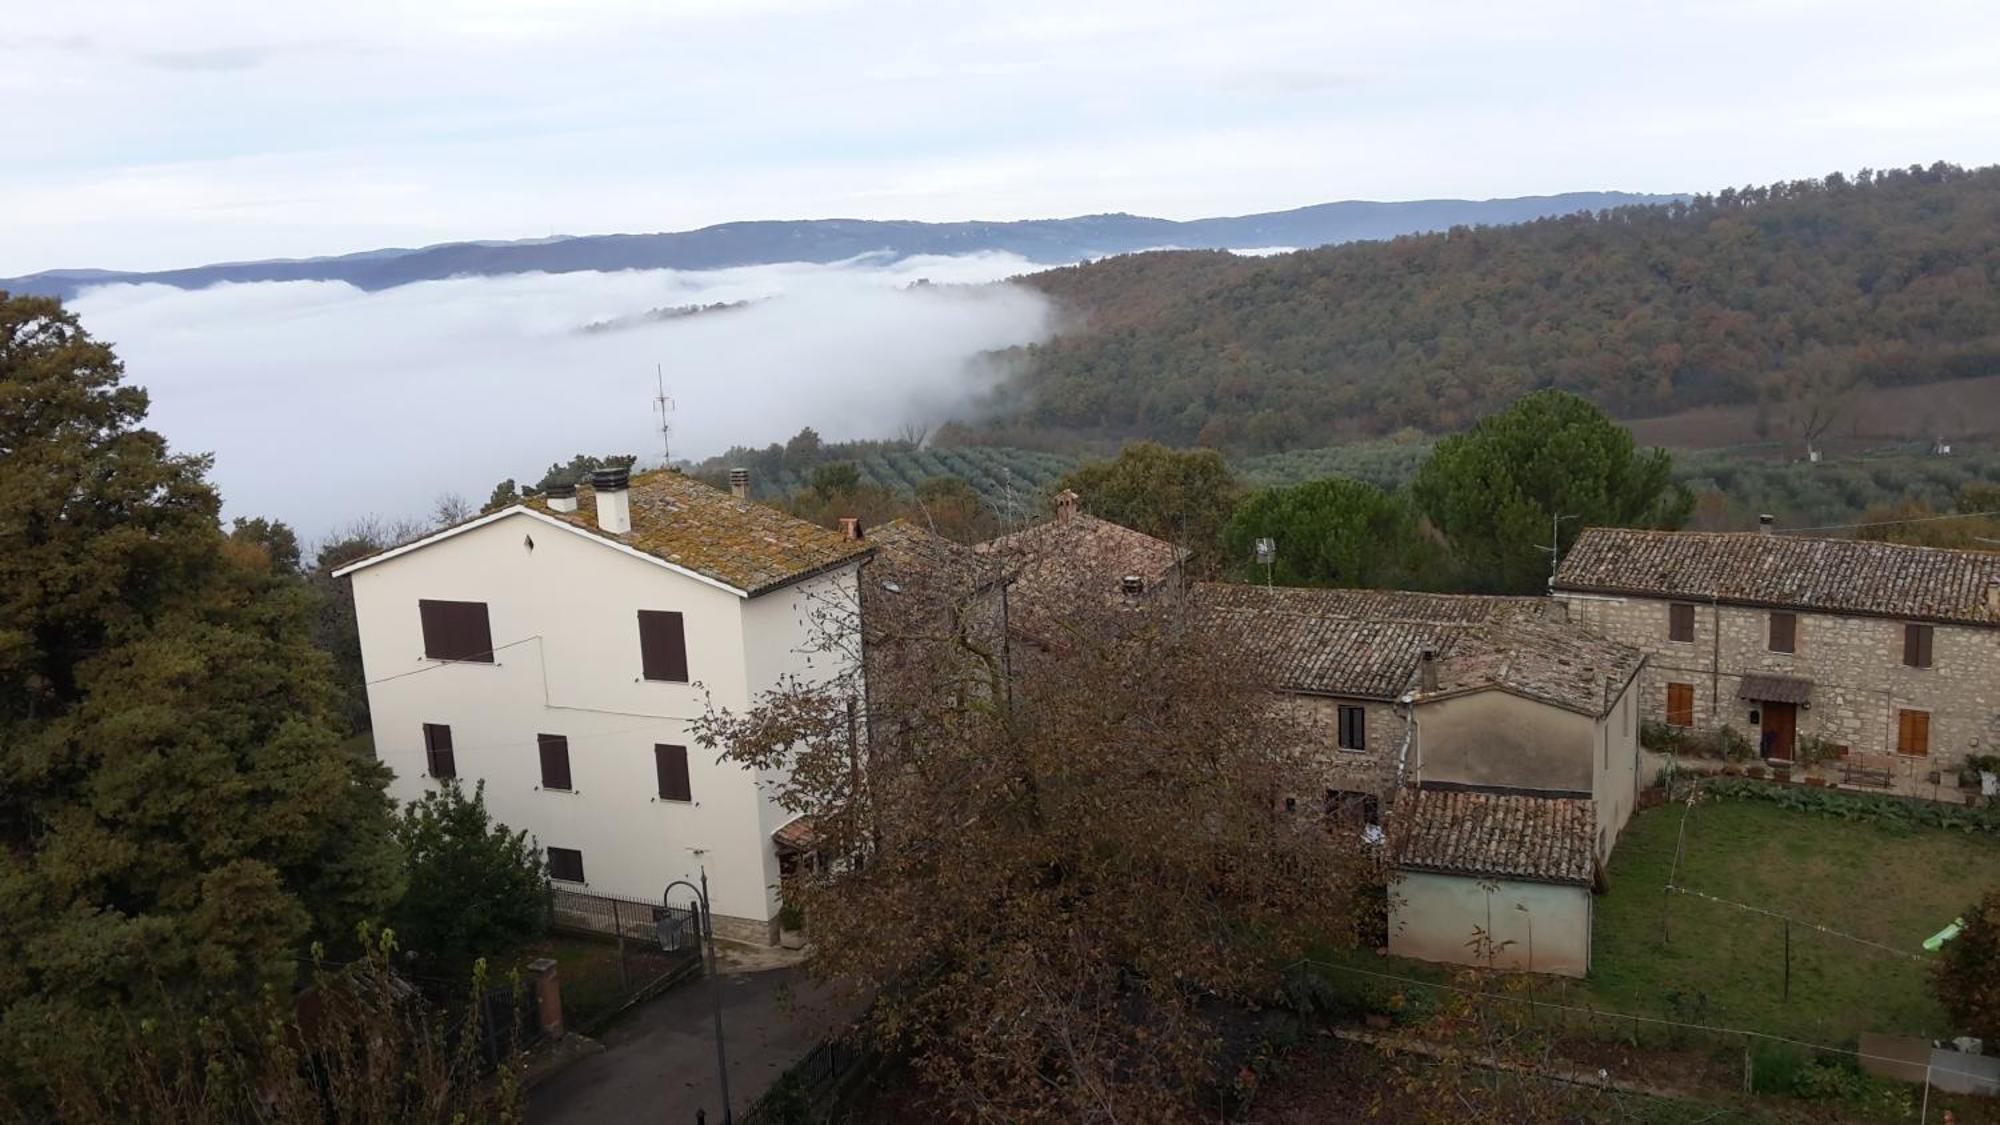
[
  {"x": 1973, "y": 765},
  {"x": 791, "y": 926}
]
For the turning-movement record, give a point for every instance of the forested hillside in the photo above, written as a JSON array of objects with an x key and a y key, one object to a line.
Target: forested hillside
[{"x": 1793, "y": 295}]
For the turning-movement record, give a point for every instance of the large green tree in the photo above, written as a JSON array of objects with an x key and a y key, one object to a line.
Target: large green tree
[
  {"x": 1334, "y": 532},
  {"x": 176, "y": 817},
  {"x": 1544, "y": 468},
  {"x": 1183, "y": 496}
]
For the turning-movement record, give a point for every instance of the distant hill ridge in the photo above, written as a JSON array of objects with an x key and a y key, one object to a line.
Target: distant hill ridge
[
  {"x": 1045, "y": 241},
  {"x": 1788, "y": 299}
]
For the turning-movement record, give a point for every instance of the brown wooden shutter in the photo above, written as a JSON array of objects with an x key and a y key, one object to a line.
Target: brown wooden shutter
[
  {"x": 1680, "y": 622},
  {"x": 555, "y": 760},
  {"x": 438, "y": 757},
  {"x": 663, "y": 646},
  {"x": 1353, "y": 728},
  {"x": 1917, "y": 645},
  {"x": 1680, "y": 705},
  {"x": 672, "y": 764},
  {"x": 1913, "y": 732},
  {"x": 566, "y": 864},
  {"x": 456, "y": 630},
  {"x": 1784, "y": 632}
]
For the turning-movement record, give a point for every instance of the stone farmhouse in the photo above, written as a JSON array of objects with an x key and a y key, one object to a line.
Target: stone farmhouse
[
  {"x": 1050, "y": 567},
  {"x": 558, "y": 649},
  {"x": 1873, "y": 648},
  {"x": 1498, "y": 749}
]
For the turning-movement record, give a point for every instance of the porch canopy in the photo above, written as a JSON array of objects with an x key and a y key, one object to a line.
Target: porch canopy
[{"x": 1761, "y": 688}]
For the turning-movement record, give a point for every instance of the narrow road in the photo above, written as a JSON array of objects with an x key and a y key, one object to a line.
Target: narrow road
[{"x": 659, "y": 1062}]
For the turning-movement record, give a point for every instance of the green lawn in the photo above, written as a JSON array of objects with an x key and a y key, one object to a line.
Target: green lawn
[{"x": 1889, "y": 886}]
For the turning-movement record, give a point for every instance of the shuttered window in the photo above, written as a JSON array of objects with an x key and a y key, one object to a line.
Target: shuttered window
[
  {"x": 555, "y": 760},
  {"x": 438, "y": 760},
  {"x": 1353, "y": 727},
  {"x": 672, "y": 764},
  {"x": 456, "y": 631},
  {"x": 1784, "y": 632},
  {"x": 1680, "y": 622},
  {"x": 663, "y": 646},
  {"x": 1913, "y": 732},
  {"x": 566, "y": 864},
  {"x": 1680, "y": 705},
  {"x": 1917, "y": 645}
]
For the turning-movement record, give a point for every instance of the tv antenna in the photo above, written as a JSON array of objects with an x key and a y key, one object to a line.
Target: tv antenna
[{"x": 665, "y": 406}]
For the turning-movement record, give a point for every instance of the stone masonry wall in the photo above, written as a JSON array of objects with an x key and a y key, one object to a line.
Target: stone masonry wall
[
  {"x": 1855, "y": 664},
  {"x": 1369, "y": 771}
]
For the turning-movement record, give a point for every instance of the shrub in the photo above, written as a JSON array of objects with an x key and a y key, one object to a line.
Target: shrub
[
  {"x": 1734, "y": 745},
  {"x": 1967, "y": 976},
  {"x": 476, "y": 889}
]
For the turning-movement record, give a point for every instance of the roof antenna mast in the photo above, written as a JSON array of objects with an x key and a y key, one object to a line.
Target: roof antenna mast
[{"x": 665, "y": 406}]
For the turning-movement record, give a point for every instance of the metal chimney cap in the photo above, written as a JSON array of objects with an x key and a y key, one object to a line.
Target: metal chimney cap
[
  {"x": 562, "y": 491},
  {"x": 611, "y": 480}
]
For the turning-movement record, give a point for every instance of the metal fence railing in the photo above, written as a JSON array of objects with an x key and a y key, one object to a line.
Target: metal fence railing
[{"x": 655, "y": 945}]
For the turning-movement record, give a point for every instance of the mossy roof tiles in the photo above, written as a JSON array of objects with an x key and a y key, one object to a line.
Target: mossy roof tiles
[
  {"x": 1824, "y": 575},
  {"x": 740, "y": 543}
]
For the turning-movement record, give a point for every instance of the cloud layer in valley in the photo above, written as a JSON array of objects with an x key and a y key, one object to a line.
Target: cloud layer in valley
[{"x": 322, "y": 403}]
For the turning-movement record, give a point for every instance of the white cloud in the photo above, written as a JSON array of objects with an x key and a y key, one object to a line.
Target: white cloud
[
  {"x": 289, "y": 130},
  {"x": 322, "y": 402}
]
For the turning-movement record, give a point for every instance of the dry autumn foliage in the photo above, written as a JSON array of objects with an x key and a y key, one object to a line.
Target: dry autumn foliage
[{"x": 1048, "y": 868}]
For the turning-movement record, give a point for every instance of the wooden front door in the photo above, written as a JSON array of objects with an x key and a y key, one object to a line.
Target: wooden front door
[{"x": 1781, "y": 728}]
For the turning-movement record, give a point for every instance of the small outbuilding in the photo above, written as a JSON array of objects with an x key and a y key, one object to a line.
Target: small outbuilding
[{"x": 1495, "y": 878}]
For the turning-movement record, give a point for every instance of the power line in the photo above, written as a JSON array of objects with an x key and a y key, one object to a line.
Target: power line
[
  {"x": 1606, "y": 1013},
  {"x": 449, "y": 663},
  {"x": 1798, "y": 922}
]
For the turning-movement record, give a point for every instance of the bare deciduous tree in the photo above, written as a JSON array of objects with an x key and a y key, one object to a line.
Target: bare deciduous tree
[{"x": 1047, "y": 874}]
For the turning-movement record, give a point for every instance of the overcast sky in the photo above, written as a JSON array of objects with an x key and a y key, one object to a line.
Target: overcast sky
[{"x": 144, "y": 135}]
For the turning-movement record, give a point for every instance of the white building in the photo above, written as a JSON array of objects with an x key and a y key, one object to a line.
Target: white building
[{"x": 559, "y": 649}]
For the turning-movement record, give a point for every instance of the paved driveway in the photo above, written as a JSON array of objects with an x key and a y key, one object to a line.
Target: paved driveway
[{"x": 658, "y": 1064}]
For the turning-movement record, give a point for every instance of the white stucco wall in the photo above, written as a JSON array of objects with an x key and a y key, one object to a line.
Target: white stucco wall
[
  {"x": 564, "y": 619},
  {"x": 1542, "y": 927},
  {"x": 1615, "y": 777}
]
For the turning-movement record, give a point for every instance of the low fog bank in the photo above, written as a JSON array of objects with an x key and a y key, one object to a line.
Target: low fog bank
[{"x": 322, "y": 403}]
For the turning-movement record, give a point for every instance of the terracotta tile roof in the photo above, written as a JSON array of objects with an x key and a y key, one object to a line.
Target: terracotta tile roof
[
  {"x": 908, "y": 555},
  {"x": 795, "y": 834},
  {"x": 1554, "y": 663},
  {"x": 739, "y": 543},
  {"x": 1374, "y": 605},
  {"x": 1826, "y": 575},
  {"x": 1079, "y": 555},
  {"x": 1324, "y": 654},
  {"x": 1496, "y": 835},
  {"x": 1367, "y": 643}
]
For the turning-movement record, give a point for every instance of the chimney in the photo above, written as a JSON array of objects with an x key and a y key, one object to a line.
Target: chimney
[
  {"x": 614, "y": 500},
  {"x": 1427, "y": 670},
  {"x": 1764, "y": 523},
  {"x": 739, "y": 483},
  {"x": 1993, "y": 598},
  {"x": 850, "y": 527},
  {"x": 1133, "y": 585},
  {"x": 562, "y": 497},
  {"x": 1066, "y": 503}
]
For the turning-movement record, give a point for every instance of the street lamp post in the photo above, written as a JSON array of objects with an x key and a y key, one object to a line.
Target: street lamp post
[{"x": 714, "y": 982}]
